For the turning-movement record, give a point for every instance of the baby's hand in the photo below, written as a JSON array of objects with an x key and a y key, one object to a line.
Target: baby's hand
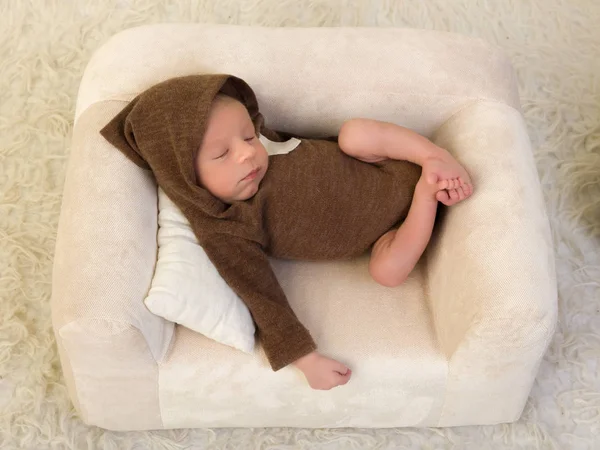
[{"x": 321, "y": 372}]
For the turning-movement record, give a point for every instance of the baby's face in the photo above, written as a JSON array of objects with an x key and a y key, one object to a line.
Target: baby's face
[{"x": 231, "y": 161}]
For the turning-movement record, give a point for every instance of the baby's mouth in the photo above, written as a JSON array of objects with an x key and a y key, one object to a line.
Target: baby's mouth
[{"x": 252, "y": 175}]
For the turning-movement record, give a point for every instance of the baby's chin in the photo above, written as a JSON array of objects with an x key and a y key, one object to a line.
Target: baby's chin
[
  {"x": 249, "y": 192},
  {"x": 246, "y": 193},
  {"x": 250, "y": 189}
]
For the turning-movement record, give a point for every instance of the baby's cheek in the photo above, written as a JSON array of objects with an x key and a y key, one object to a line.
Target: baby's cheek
[
  {"x": 227, "y": 186},
  {"x": 265, "y": 157}
]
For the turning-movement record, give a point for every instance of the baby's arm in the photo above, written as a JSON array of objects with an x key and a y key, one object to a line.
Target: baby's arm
[
  {"x": 396, "y": 253},
  {"x": 246, "y": 269}
]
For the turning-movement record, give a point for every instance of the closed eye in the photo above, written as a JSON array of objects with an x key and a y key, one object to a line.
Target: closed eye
[
  {"x": 250, "y": 139},
  {"x": 222, "y": 155}
]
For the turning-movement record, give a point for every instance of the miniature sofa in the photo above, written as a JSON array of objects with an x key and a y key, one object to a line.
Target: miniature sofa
[{"x": 459, "y": 343}]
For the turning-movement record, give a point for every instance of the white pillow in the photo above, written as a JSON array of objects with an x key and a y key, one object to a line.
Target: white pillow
[{"x": 188, "y": 290}]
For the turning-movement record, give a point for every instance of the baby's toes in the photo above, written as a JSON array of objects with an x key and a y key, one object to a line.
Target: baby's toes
[
  {"x": 443, "y": 184},
  {"x": 443, "y": 197},
  {"x": 464, "y": 180},
  {"x": 468, "y": 189},
  {"x": 454, "y": 195}
]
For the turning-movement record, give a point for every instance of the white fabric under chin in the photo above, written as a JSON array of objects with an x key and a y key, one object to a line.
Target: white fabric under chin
[{"x": 279, "y": 148}]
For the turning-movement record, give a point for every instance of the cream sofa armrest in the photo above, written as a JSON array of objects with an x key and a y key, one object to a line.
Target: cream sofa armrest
[
  {"x": 106, "y": 243},
  {"x": 490, "y": 267},
  {"x": 111, "y": 375}
]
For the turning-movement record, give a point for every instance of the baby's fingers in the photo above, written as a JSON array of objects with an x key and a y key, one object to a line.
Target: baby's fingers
[
  {"x": 344, "y": 378},
  {"x": 341, "y": 369}
]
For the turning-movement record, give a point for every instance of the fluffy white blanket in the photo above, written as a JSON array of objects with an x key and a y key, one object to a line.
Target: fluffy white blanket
[{"x": 44, "y": 46}]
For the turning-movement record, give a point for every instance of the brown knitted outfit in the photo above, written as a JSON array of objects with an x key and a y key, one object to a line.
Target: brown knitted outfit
[{"x": 314, "y": 203}]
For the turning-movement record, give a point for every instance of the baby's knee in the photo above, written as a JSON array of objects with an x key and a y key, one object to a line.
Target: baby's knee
[{"x": 384, "y": 274}]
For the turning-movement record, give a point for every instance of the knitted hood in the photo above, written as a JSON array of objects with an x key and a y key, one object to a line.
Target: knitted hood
[{"x": 162, "y": 129}]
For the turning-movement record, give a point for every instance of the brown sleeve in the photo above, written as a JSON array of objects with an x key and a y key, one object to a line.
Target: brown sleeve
[{"x": 246, "y": 269}]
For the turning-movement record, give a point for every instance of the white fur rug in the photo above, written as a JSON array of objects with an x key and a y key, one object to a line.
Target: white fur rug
[{"x": 44, "y": 47}]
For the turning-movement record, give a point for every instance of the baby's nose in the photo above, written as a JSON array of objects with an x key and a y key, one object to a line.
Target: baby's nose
[{"x": 245, "y": 151}]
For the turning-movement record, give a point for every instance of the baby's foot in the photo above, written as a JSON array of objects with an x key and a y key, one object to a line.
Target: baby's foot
[
  {"x": 450, "y": 178},
  {"x": 321, "y": 372}
]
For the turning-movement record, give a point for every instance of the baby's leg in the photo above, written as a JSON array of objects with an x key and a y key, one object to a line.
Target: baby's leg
[
  {"x": 372, "y": 141},
  {"x": 396, "y": 253}
]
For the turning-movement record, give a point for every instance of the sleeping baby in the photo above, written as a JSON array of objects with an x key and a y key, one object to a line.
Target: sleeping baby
[{"x": 376, "y": 186}]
